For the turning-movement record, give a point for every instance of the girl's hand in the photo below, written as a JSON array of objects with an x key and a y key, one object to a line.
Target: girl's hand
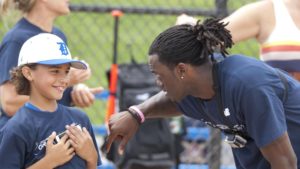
[
  {"x": 83, "y": 144},
  {"x": 56, "y": 155},
  {"x": 59, "y": 153}
]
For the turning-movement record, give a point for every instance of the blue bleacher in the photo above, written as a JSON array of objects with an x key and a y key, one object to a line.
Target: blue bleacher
[
  {"x": 181, "y": 166},
  {"x": 106, "y": 166},
  {"x": 100, "y": 130},
  {"x": 203, "y": 166},
  {"x": 197, "y": 133},
  {"x": 103, "y": 95},
  {"x": 193, "y": 133}
]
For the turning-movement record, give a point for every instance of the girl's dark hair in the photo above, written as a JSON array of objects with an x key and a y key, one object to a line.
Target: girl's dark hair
[
  {"x": 191, "y": 44},
  {"x": 18, "y": 79}
]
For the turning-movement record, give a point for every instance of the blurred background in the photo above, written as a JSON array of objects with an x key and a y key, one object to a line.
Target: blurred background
[{"x": 89, "y": 29}]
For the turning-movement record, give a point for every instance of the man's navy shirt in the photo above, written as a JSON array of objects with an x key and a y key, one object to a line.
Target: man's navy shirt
[{"x": 252, "y": 94}]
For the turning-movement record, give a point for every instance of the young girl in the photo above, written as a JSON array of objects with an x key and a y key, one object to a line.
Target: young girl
[
  {"x": 30, "y": 139},
  {"x": 38, "y": 16}
]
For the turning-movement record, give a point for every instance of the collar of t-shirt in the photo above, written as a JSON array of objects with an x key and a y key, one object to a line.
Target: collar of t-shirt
[{"x": 33, "y": 107}]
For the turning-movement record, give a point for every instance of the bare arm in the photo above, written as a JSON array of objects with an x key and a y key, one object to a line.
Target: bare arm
[
  {"x": 244, "y": 23},
  {"x": 122, "y": 126},
  {"x": 254, "y": 20},
  {"x": 280, "y": 153},
  {"x": 10, "y": 100},
  {"x": 159, "y": 106}
]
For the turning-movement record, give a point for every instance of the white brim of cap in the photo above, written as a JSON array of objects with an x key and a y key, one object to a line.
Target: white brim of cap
[{"x": 74, "y": 63}]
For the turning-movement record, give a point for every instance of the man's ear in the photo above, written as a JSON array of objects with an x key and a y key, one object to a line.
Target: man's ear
[
  {"x": 26, "y": 71},
  {"x": 181, "y": 70}
]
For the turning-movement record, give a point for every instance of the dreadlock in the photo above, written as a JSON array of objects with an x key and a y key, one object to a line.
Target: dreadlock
[{"x": 192, "y": 44}]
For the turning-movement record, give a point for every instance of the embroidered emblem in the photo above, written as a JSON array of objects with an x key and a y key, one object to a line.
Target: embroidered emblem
[
  {"x": 226, "y": 112},
  {"x": 63, "y": 48},
  {"x": 42, "y": 144}
]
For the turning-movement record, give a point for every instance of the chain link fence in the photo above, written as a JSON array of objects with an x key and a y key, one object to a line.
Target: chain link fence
[{"x": 89, "y": 29}]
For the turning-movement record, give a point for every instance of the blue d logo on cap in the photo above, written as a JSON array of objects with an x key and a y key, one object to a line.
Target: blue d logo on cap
[
  {"x": 63, "y": 48},
  {"x": 47, "y": 49}
]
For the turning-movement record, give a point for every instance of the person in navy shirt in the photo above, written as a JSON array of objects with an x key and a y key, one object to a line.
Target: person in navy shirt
[
  {"x": 256, "y": 106},
  {"x": 30, "y": 139},
  {"x": 38, "y": 18}
]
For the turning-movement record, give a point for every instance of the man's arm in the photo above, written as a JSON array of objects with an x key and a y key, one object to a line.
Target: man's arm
[
  {"x": 122, "y": 126},
  {"x": 159, "y": 106},
  {"x": 280, "y": 153}
]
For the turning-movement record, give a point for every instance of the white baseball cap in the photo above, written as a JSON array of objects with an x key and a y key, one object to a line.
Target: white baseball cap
[{"x": 47, "y": 49}]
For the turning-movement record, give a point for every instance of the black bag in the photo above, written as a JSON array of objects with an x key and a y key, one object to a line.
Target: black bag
[
  {"x": 135, "y": 84},
  {"x": 153, "y": 144}
]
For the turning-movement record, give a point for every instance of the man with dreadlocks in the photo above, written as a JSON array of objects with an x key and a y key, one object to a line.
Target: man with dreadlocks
[{"x": 256, "y": 106}]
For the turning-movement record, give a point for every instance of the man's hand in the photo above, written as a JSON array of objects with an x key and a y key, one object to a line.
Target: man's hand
[
  {"x": 83, "y": 96},
  {"x": 185, "y": 19},
  {"x": 122, "y": 126},
  {"x": 77, "y": 76}
]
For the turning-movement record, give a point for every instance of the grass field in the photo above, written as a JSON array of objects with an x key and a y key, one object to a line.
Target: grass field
[{"x": 90, "y": 36}]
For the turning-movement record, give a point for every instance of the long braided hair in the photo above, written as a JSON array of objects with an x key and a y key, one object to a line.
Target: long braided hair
[{"x": 192, "y": 44}]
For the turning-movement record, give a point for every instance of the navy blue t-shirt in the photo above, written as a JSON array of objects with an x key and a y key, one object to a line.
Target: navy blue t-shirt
[
  {"x": 22, "y": 139},
  {"x": 11, "y": 46},
  {"x": 252, "y": 94}
]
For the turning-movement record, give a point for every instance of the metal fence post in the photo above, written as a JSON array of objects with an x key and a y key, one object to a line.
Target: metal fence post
[
  {"x": 221, "y": 8},
  {"x": 214, "y": 149},
  {"x": 215, "y": 141}
]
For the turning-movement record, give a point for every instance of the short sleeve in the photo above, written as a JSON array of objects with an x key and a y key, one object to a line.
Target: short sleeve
[
  {"x": 264, "y": 114},
  {"x": 12, "y": 150},
  {"x": 9, "y": 54}
]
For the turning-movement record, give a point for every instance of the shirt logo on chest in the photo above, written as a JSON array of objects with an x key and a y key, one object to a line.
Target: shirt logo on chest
[{"x": 226, "y": 112}]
